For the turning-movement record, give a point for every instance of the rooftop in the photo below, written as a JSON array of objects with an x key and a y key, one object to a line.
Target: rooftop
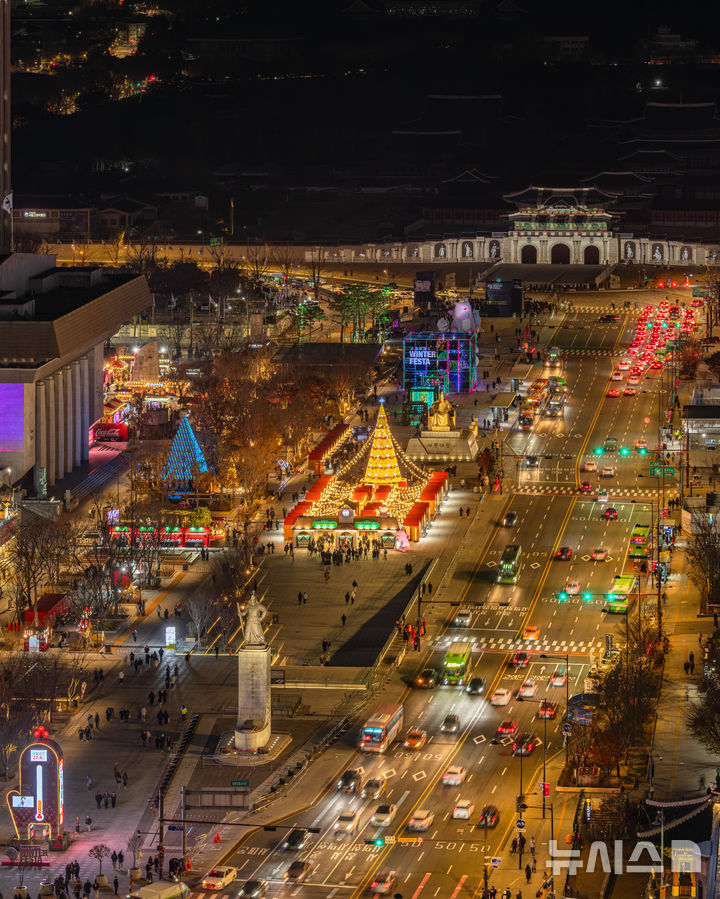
[{"x": 46, "y": 313}]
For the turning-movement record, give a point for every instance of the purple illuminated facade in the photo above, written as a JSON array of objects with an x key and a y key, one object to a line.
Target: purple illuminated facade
[{"x": 12, "y": 418}]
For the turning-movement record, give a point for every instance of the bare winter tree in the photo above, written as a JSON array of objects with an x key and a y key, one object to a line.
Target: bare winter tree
[
  {"x": 257, "y": 263},
  {"x": 285, "y": 259},
  {"x": 115, "y": 249},
  {"x": 703, "y": 716},
  {"x": 316, "y": 266},
  {"x": 201, "y": 612},
  {"x": 100, "y": 851},
  {"x": 704, "y": 554}
]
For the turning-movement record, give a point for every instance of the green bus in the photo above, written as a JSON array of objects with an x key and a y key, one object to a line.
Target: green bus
[
  {"x": 456, "y": 663},
  {"x": 510, "y": 565},
  {"x": 636, "y": 552},
  {"x": 621, "y": 594},
  {"x": 639, "y": 534}
]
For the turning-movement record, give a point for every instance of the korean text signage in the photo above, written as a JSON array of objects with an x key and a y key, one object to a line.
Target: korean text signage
[{"x": 37, "y": 807}]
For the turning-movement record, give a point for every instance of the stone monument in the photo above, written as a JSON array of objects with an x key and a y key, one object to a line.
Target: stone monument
[
  {"x": 252, "y": 730},
  {"x": 443, "y": 441}
]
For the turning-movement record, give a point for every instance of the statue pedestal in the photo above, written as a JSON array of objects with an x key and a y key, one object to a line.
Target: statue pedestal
[
  {"x": 252, "y": 730},
  {"x": 443, "y": 446}
]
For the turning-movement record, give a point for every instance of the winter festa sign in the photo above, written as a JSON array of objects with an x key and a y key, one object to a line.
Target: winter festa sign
[{"x": 37, "y": 807}]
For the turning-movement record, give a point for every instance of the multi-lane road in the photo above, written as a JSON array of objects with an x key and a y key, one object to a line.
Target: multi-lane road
[{"x": 551, "y": 513}]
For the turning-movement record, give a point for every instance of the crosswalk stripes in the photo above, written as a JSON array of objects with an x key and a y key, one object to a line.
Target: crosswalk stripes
[
  {"x": 603, "y": 308},
  {"x": 592, "y": 351},
  {"x": 99, "y": 477},
  {"x": 615, "y": 495},
  {"x": 564, "y": 647}
]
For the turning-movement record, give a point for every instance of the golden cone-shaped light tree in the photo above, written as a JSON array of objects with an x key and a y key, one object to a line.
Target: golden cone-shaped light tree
[{"x": 382, "y": 467}]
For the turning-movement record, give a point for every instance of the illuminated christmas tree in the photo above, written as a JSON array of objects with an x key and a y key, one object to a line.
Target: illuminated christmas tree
[{"x": 382, "y": 467}]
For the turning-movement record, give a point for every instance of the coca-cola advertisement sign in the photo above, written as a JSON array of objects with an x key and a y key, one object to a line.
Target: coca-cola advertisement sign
[{"x": 108, "y": 431}]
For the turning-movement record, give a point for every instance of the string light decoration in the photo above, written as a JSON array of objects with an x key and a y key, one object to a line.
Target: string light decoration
[
  {"x": 382, "y": 467},
  {"x": 379, "y": 462}
]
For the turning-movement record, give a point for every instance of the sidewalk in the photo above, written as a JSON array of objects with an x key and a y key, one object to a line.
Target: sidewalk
[{"x": 680, "y": 760}]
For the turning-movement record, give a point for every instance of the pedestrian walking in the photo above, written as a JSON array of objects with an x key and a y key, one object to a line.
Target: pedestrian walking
[
  {"x": 532, "y": 846},
  {"x": 98, "y": 798},
  {"x": 106, "y": 799},
  {"x": 113, "y": 859},
  {"x": 692, "y": 666},
  {"x": 97, "y": 720},
  {"x": 304, "y": 597},
  {"x": 113, "y": 798},
  {"x": 124, "y": 782},
  {"x": 686, "y": 666},
  {"x": 528, "y": 873},
  {"x": 88, "y": 781},
  {"x": 135, "y": 635},
  {"x": 116, "y": 884},
  {"x": 513, "y": 846},
  {"x": 121, "y": 858},
  {"x": 344, "y": 618}
]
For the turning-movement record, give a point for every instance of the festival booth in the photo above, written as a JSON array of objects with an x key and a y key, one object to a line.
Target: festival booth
[
  {"x": 362, "y": 506},
  {"x": 416, "y": 521},
  {"x": 361, "y": 496},
  {"x": 436, "y": 491},
  {"x": 50, "y": 607},
  {"x": 327, "y": 446}
]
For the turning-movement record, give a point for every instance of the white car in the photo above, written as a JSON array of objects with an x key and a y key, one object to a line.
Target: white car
[
  {"x": 607, "y": 471},
  {"x": 624, "y": 365},
  {"x": 454, "y": 776},
  {"x": 422, "y": 820},
  {"x": 383, "y": 815},
  {"x": 572, "y": 588},
  {"x": 617, "y": 375},
  {"x": 219, "y": 877},
  {"x": 599, "y": 554},
  {"x": 346, "y": 822},
  {"x": 559, "y": 677},
  {"x": 590, "y": 465},
  {"x": 602, "y": 496},
  {"x": 501, "y": 697},
  {"x": 528, "y": 688},
  {"x": 463, "y": 809}
]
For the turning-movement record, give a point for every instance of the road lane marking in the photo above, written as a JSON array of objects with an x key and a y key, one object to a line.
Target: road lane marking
[
  {"x": 459, "y": 886},
  {"x": 422, "y": 886}
]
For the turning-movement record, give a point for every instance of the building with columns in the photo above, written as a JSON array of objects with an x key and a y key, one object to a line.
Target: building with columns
[{"x": 53, "y": 326}]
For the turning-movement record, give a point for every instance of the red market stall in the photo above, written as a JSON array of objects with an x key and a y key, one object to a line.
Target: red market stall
[
  {"x": 50, "y": 607},
  {"x": 292, "y": 517},
  {"x": 329, "y": 443},
  {"x": 416, "y": 520},
  {"x": 318, "y": 488}
]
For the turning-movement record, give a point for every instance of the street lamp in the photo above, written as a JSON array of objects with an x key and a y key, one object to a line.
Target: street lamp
[
  {"x": 660, "y": 819},
  {"x": 567, "y": 696},
  {"x": 539, "y": 702}
]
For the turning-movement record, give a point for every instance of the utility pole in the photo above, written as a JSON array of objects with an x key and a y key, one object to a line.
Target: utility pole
[
  {"x": 184, "y": 828},
  {"x": 161, "y": 833}
]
